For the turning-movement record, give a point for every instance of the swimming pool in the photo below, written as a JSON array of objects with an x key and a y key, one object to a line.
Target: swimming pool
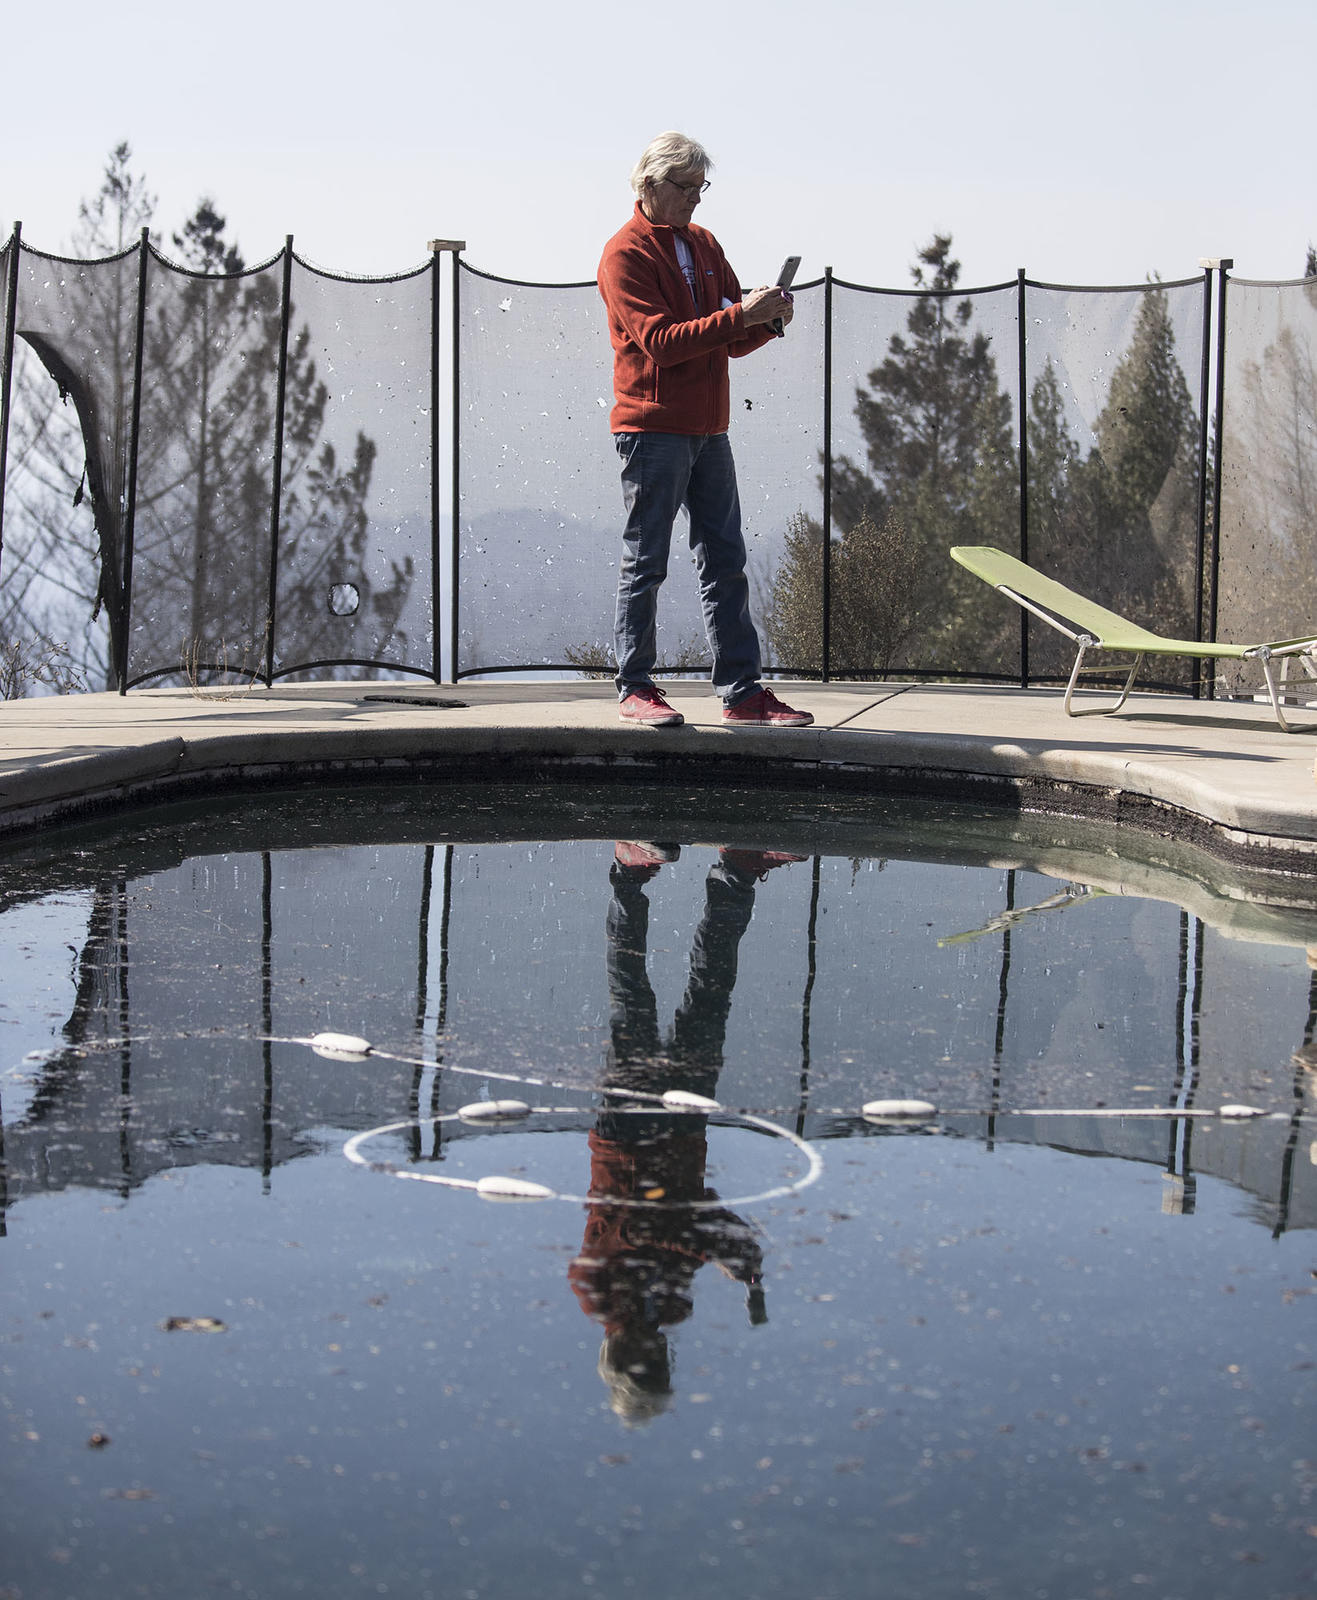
[{"x": 1054, "y": 1337}]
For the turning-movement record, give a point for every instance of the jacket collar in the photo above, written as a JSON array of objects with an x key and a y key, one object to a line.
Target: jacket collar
[{"x": 663, "y": 229}]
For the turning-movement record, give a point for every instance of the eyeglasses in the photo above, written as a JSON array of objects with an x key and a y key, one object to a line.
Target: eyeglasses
[{"x": 690, "y": 190}]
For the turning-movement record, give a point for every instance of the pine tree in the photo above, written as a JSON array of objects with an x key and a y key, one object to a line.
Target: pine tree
[
  {"x": 1053, "y": 459},
  {"x": 940, "y": 469},
  {"x": 1269, "y": 488},
  {"x": 201, "y": 534},
  {"x": 1137, "y": 518},
  {"x": 205, "y": 469},
  {"x": 213, "y": 351},
  {"x": 793, "y": 615}
]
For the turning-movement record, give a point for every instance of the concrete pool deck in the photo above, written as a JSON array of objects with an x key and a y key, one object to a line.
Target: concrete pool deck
[{"x": 1221, "y": 773}]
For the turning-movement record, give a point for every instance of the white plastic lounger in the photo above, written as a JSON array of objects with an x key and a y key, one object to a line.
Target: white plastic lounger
[{"x": 1100, "y": 629}]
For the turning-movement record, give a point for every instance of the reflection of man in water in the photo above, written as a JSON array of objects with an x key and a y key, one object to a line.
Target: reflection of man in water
[{"x": 635, "y": 1270}]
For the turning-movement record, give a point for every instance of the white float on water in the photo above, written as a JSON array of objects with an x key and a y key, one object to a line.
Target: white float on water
[
  {"x": 1240, "y": 1111},
  {"x": 684, "y": 1100},
  {"x": 340, "y": 1046},
  {"x": 898, "y": 1110},
  {"x": 499, "y": 1188},
  {"x": 494, "y": 1111}
]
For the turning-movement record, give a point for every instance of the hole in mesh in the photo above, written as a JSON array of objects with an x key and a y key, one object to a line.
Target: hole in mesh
[{"x": 344, "y": 599}]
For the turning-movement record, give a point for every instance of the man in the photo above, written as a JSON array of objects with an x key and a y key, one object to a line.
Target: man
[{"x": 675, "y": 314}]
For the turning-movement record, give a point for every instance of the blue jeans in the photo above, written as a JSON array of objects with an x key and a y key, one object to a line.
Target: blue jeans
[{"x": 661, "y": 472}]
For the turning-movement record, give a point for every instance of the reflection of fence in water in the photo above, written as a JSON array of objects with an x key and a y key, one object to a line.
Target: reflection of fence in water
[
  {"x": 259, "y": 446},
  {"x": 160, "y": 1068}
]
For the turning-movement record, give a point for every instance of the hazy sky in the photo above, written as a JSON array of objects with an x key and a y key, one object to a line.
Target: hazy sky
[{"x": 1089, "y": 144}]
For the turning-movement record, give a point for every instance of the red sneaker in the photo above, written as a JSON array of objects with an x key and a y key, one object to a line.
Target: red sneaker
[
  {"x": 648, "y": 707},
  {"x": 763, "y": 709},
  {"x": 644, "y": 853},
  {"x": 757, "y": 863}
]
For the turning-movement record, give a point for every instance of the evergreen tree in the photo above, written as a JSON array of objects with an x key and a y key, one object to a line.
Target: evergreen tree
[
  {"x": 940, "y": 468},
  {"x": 202, "y": 531},
  {"x": 213, "y": 351},
  {"x": 933, "y": 414},
  {"x": 872, "y": 573},
  {"x": 793, "y": 614},
  {"x": 1053, "y": 459},
  {"x": 1134, "y": 525},
  {"x": 1058, "y": 542},
  {"x": 1121, "y": 523},
  {"x": 1269, "y": 485},
  {"x": 201, "y": 534}
]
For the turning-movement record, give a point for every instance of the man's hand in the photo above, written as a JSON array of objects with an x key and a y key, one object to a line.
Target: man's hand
[{"x": 766, "y": 305}]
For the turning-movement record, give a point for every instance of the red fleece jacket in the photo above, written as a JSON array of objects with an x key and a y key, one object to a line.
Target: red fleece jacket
[{"x": 669, "y": 354}]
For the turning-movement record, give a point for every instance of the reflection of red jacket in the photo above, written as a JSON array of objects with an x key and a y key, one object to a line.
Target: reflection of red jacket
[
  {"x": 670, "y": 355},
  {"x": 636, "y": 1257}
]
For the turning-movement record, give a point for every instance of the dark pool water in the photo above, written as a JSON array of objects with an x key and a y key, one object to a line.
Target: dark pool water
[{"x": 1054, "y": 1340}]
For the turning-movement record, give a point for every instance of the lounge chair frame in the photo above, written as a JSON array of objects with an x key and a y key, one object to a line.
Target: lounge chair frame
[{"x": 1096, "y": 628}]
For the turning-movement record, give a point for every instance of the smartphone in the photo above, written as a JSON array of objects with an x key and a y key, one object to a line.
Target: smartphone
[
  {"x": 790, "y": 267},
  {"x": 784, "y": 280}
]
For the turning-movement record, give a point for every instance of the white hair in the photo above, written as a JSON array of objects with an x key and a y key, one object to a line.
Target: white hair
[
  {"x": 666, "y": 154},
  {"x": 638, "y": 1379}
]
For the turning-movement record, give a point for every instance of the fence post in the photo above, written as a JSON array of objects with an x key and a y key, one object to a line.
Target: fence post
[
  {"x": 7, "y": 370},
  {"x": 436, "y": 588},
  {"x": 825, "y": 656},
  {"x": 1022, "y": 355},
  {"x": 438, "y": 247},
  {"x": 1204, "y": 400},
  {"x": 1223, "y": 266},
  {"x": 455, "y": 426},
  {"x": 130, "y": 508},
  {"x": 277, "y": 477}
]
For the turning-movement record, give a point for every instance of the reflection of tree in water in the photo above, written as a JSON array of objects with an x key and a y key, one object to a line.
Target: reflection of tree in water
[
  {"x": 99, "y": 1010},
  {"x": 637, "y": 1263}
]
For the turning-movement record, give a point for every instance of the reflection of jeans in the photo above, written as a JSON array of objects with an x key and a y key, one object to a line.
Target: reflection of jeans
[
  {"x": 661, "y": 472},
  {"x": 695, "y": 1050}
]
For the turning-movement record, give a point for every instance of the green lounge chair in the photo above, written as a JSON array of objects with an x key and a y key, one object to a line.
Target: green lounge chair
[{"x": 1100, "y": 629}]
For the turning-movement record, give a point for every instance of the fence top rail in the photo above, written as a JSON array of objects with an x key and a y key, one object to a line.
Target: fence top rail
[
  {"x": 522, "y": 283},
  {"x": 925, "y": 294},
  {"x": 1195, "y": 282},
  {"x": 25, "y": 249},
  {"x": 1274, "y": 283},
  {"x": 364, "y": 277},
  {"x": 217, "y": 277},
  {"x": 301, "y": 261}
]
